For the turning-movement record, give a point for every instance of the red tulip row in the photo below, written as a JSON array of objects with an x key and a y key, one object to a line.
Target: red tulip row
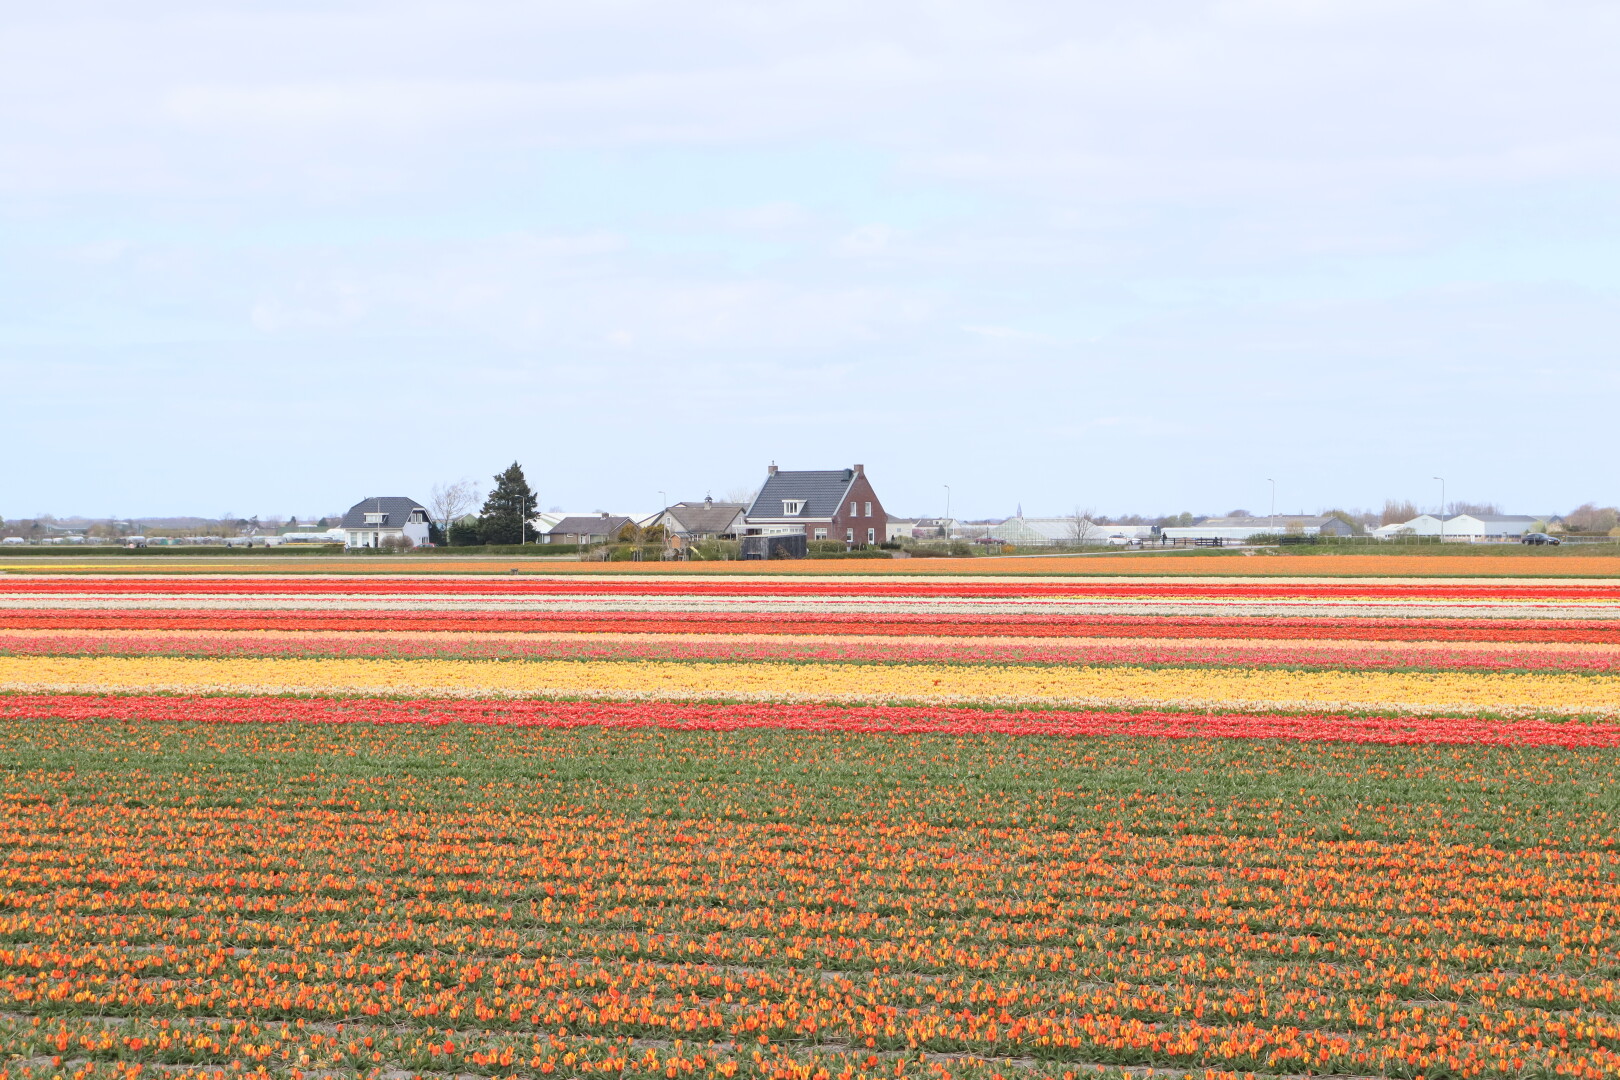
[
  {"x": 1352, "y": 628},
  {"x": 852, "y": 588},
  {"x": 1456, "y": 731},
  {"x": 1362, "y": 655}
]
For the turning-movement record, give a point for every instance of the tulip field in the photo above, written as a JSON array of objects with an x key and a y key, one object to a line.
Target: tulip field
[{"x": 800, "y": 826}]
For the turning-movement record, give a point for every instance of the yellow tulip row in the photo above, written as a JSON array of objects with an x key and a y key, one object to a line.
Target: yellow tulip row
[{"x": 1227, "y": 688}]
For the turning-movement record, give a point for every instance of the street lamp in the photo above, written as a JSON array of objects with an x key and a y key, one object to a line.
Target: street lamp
[{"x": 1442, "y": 507}]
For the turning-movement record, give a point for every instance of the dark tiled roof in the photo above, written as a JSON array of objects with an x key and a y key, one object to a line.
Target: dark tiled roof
[
  {"x": 706, "y": 518},
  {"x": 821, "y": 491},
  {"x": 592, "y": 525},
  {"x": 397, "y": 507}
]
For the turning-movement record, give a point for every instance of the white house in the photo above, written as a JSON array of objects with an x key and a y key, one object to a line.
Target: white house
[
  {"x": 371, "y": 522},
  {"x": 899, "y": 529}
]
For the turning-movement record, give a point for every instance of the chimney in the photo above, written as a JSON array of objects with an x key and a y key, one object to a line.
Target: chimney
[
  {"x": 860, "y": 470},
  {"x": 772, "y": 469}
]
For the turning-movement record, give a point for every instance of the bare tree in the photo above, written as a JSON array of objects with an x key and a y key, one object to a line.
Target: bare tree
[
  {"x": 1083, "y": 527},
  {"x": 1397, "y": 512},
  {"x": 1591, "y": 518},
  {"x": 451, "y": 501}
]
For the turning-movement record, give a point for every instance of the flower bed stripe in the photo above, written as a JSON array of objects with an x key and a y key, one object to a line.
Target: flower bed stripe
[
  {"x": 1242, "y": 688},
  {"x": 1141, "y": 626},
  {"x": 540, "y": 586},
  {"x": 1359, "y": 655},
  {"x": 809, "y": 718}
]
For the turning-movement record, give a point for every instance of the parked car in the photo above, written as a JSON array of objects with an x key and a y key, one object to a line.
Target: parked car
[
  {"x": 1539, "y": 538},
  {"x": 1121, "y": 540}
]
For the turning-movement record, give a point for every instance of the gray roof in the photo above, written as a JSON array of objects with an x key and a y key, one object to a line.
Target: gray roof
[
  {"x": 589, "y": 525},
  {"x": 1263, "y": 519},
  {"x": 705, "y": 518},
  {"x": 396, "y": 507},
  {"x": 1496, "y": 517},
  {"x": 822, "y": 491}
]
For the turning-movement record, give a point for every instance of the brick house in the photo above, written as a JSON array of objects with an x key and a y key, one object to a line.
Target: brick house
[{"x": 833, "y": 504}]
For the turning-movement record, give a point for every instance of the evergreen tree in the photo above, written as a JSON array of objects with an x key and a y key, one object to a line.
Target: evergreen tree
[{"x": 508, "y": 505}]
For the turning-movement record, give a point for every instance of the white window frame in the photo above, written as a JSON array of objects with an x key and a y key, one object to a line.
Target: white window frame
[
  {"x": 854, "y": 509},
  {"x": 849, "y": 536},
  {"x": 821, "y": 534},
  {"x": 868, "y": 509},
  {"x": 790, "y": 507},
  {"x": 871, "y": 536}
]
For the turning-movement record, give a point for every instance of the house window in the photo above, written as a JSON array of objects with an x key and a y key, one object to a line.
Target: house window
[
  {"x": 791, "y": 506},
  {"x": 376, "y": 519},
  {"x": 821, "y": 534},
  {"x": 854, "y": 510},
  {"x": 868, "y": 509},
  {"x": 849, "y": 536},
  {"x": 871, "y": 536}
]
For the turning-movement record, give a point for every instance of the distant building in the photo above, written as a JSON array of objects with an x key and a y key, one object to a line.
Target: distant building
[
  {"x": 899, "y": 529},
  {"x": 371, "y": 522},
  {"x": 587, "y": 529},
  {"x": 326, "y": 536},
  {"x": 706, "y": 520},
  {"x": 1468, "y": 526},
  {"x": 1245, "y": 528},
  {"x": 832, "y": 504},
  {"x": 934, "y": 528}
]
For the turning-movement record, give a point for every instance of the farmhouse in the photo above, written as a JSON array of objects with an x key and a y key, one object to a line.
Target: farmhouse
[
  {"x": 384, "y": 521},
  {"x": 587, "y": 529},
  {"x": 830, "y": 504},
  {"x": 706, "y": 520}
]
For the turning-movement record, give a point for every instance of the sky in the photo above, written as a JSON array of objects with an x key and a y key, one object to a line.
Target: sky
[{"x": 271, "y": 258}]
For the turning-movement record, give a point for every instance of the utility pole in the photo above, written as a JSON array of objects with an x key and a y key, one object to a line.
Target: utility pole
[
  {"x": 1442, "y": 507},
  {"x": 1273, "y": 505},
  {"x": 945, "y": 525}
]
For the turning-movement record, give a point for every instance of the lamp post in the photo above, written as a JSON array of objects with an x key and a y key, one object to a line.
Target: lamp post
[{"x": 1442, "y": 507}]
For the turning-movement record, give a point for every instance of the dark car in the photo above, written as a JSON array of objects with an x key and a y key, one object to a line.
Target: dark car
[{"x": 1539, "y": 538}]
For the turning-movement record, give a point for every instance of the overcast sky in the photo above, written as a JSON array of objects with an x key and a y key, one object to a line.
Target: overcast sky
[{"x": 274, "y": 257}]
